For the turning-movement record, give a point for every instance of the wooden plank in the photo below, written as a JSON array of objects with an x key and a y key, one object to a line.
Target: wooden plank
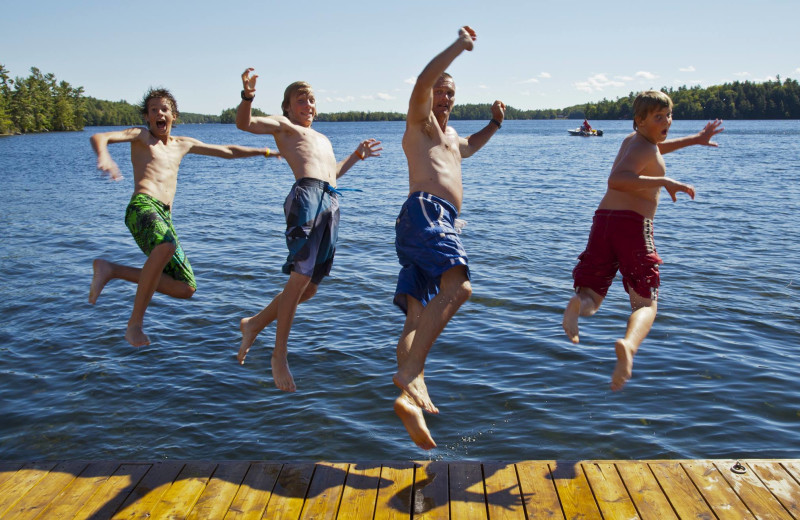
[
  {"x": 290, "y": 490},
  {"x": 780, "y": 483},
  {"x": 431, "y": 491},
  {"x": 503, "y": 495},
  {"x": 218, "y": 494},
  {"x": 145, "y": 496},
  {"x": 325, "y": 492},
  {"x": 395, "y": 491},
  {"x": 7, "y": 470},
  {"x": 360, "y": 491},
  {"x": 181, "y": 496},
  {"x": 467, "y": 492},
  {"x": 685, "y": 498},
  {"x": 574, "y": 491},
  {"x": 719, "y": 495},
  {"x": 113, "y": 492},
  {"x": 609, "y": 490},
  {"x": 79, "y": 491},
  {"x": 644, "y": 490},
  {"x": 255, "y": 492},
  {"x": 39, "y": 496},
  {"x": 753, "y": 492},
  {"x": 15, "y": 487},
  {"x": 538, "y": 490}
]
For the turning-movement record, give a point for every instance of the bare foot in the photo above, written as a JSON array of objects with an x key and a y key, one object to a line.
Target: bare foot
[
  {"x": 100, "y": 277},
  {"x": 136, "y": 336},
  {"x": 414, "y": 421},
  {"x": 282, "y": 375},
  {"x": 624, "y": 369},
  {"x": 570, "y": 321},
  {"x": 417, "y": 390},
  {"x": 248, "y": 337}
]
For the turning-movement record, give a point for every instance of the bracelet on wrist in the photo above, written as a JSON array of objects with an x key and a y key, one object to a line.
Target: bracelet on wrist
[
  {"x": 246, "y": 98},
  {"x": 266, "y": 154},
  {"x": 495, "y": 121},
  {"x": 360, "y": 155}
]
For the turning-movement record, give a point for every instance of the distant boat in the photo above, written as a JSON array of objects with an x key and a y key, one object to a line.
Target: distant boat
[{"x": 585, "y": 133}]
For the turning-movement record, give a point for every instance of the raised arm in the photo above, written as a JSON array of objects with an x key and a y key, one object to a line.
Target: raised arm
[
  {"x": 367, "y": 148},
  {"x": 703, "y": 138},
  {"x": 100, "y": 144},
  {"x": 475, "y": 142},
  {"x": 421, "y": 102},
  {"x": 244, "y": 118}
]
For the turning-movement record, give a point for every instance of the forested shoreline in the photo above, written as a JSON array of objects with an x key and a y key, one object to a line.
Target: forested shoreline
[{"x": 41, "y": 103}]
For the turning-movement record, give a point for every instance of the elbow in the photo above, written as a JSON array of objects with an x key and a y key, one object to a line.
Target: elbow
[{"x": 241, "y": 125}]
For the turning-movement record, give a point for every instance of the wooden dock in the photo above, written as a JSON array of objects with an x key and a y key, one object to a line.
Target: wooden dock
[{"x": 656, "y": 489}]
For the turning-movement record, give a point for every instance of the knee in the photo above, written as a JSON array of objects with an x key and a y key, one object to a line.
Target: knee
[
  {"x": 310, "y": 291},
  {"x": 186, "y": 292},
  {"x": 463, "y": 292}
]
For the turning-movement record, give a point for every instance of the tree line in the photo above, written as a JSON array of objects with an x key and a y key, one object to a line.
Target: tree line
[{"x": 40, "y": 103}]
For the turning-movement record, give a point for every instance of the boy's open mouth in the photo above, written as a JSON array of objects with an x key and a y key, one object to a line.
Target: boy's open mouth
[{"x": 161, "y": 125}]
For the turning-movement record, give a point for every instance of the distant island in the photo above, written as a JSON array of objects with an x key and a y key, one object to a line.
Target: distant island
[{"x": 40, "y": 103}]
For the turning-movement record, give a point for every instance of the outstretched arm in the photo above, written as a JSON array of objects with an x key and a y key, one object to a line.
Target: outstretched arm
[
  {"x": 100, "y": 144},
  {"x": 244, "y": 118},
  {"x": 367, "y": 148},
  {"x": 227, "y": 151},
  {"x": 703, "y": 138},
  {"x": 421, "y": 102},
  {"x": 627, "y": 176},
  {"x": 475, "y": 142}
]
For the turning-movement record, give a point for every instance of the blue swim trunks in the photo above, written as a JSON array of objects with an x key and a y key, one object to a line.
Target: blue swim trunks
[
  {"x": 312, "y": 228},
  {"x": 427, "y": 245}
]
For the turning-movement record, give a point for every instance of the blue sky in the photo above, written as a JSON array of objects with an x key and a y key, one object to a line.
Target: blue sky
[{"x": 365, "y": 55}]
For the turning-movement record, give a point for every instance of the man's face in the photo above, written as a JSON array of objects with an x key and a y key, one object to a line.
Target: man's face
[
  {"x": 444, "y": 96},
  {"x": 159, "y": 116},
  {"x": 303, "y": 108}
]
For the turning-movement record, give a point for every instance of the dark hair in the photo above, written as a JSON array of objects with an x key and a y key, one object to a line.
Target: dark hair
[
  {"x": 300, "y": 87},
  {"x": 648, "y": 101},
  {"x": 159, "y": 93}
]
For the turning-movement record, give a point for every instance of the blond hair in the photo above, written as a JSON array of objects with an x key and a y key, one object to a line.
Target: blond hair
[{"x": 648, "y": 101}]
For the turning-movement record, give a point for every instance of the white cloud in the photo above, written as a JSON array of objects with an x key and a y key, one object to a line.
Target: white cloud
[
  {"x": 597, "y": 83},
  {"x": 346, "y": 99},
  {"x": 411, "y": 81},
  {"x": 624, "y": 78},
  {"x": 384, "y": 96},
  {"x": 547, "y": 75},
  {"x": 690, "y": 68},
  {"x": 531, "y": 80},
  {"x": 645, "y": 75}
]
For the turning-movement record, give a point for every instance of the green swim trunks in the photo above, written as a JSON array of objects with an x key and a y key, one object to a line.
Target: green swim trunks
[{"x": 150, "y": 222}]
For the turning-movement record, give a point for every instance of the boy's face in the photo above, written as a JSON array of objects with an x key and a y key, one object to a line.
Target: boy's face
[
  {"x": 655, "y": 126},
  {"x": 444, "y": 96},
  {"x": 302, "y": 108},
  {"x": 159, "y": 116}
]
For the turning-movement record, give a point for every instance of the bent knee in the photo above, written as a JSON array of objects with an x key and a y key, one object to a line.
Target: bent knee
[
  {"x": 186, "y": 292},
  {"x": 463, "y": 292}
]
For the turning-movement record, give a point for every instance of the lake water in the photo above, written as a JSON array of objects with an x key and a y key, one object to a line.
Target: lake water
[{"x": 716, "y": 378}]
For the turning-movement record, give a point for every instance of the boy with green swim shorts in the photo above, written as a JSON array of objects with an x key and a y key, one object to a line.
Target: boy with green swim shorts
[{"x": 156, "y": 156}]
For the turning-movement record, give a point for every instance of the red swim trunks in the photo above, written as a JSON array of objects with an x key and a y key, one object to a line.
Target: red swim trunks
[{"x": 619, "y": 240}]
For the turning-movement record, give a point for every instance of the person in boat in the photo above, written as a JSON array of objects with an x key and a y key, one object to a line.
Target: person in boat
[
  {"x": 621, "y": 236},
  {"x": 586, "y": 127},
  {"x": 434, "y": 279},
  {"x": 311, "y": 210},
  {"x": 156, "y": 155}
]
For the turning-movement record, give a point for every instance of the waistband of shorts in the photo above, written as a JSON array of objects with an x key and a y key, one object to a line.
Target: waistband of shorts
[
  {"x": 311, "y": 182},
  {"x": 429, "y": 196},
  {"x": 151, "y": 200},
  {"x": 622, "y": 213}
]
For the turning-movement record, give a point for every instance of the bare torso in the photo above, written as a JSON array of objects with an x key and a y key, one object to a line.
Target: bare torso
[
  {"x": 155, "y": 165},
  {"x": 638, "y": 155},
  {"x": 434, "y": 161},
  {"x": 308, "y": 152}
]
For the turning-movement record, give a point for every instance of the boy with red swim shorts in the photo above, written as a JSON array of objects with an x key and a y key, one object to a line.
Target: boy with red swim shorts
[{"x": 621, "y": 237}]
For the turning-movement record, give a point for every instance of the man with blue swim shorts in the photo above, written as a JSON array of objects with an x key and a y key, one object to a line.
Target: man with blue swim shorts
[
  {"x": 156, "y": 156},
  {"x": 311, "y": 209},
  {"x": 434, "y": 278}
]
